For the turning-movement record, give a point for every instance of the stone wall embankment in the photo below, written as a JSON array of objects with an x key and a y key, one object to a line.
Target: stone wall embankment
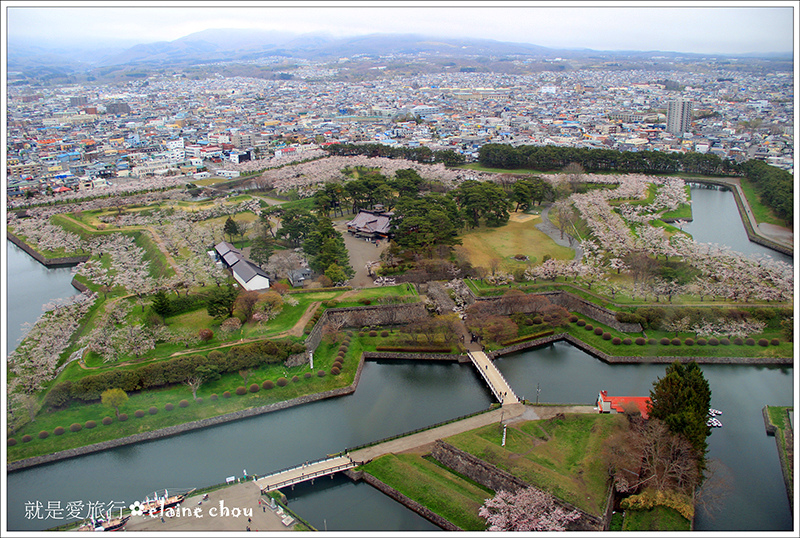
[
  {"x": 396, "y": 355},
  {"x": 436, "y": 519},
  {"x": 49, "y": 262},
  {"x": 497, "y": 479},
  {"x": 573, "y": 303},
  {"x": 613, "y": 359},
  {"x": 365, "y": 316}
]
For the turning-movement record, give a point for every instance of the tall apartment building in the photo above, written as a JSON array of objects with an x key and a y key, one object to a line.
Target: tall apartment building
[
  {"x": 118, "y": 108},
  {"x": 679, "y": 116}
]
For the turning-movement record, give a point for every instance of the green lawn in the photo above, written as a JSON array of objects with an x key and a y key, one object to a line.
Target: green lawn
[
  {"x": 660, "y": 518},
  {"x": 435, "y": 487},
  {"x": 560, "y": 455},
  {"x": 80, "y": 413},
  {"x": 761, "y": 212},
  {"x": 483, "y": 245}
]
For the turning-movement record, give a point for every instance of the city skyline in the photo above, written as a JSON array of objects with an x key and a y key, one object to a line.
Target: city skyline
[{"x": 665, "y": 26}]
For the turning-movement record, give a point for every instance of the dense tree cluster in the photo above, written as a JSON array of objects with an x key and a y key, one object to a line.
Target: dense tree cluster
[
  {"x": 682, "y": 399},
  {"x": 775, "y": 187},
  {"x": 421, "y": 154},
  {"x": 548, "y": 158}
]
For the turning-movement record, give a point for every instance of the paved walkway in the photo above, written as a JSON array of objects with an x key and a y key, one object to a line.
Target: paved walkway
[
  {"x": 212, "y": 516},
  {"x": 427, "y": 437},
  {"x": 553, "y": 233}
]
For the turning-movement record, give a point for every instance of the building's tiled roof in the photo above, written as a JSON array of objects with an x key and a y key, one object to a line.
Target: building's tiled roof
[{"x": 367, "y": 222}]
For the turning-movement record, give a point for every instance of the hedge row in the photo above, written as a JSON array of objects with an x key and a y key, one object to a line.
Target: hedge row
[
  {"x": 170, "y": 372},
  {"x": 415, "y": 349},
  {"x": 528, "y": 337}
]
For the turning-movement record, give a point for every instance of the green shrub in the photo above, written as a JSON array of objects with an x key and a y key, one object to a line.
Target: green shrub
[
  {"x": 606, "y": 336},
  {"x": 581, "y": 323},
  {"x": 665, "y": 341},
  {"x": 616, "y": 340},
  {"x": 199, "y": 400},
  {"x": 153, "y": 410},
  {"x": 282, "y": 381},
  {"x": 107, "y": 421},
  {"x": 589, "y": 327},
  {"x": 763, "y": 342},
  {"x": 775, "y": 342},
  {"x": 58, "y": 431},
  {"x": 11, "y": 441},
  {"x": 701, "y": 341},
  {"x": 640, "y": 341},
  {"x": 713, "y": 341},
  {"x": 122, "y": 417},
  {"x": 750, "y": 342},
  {"x": 689, "y": 342},
  {"x": 335, "y": 371},
  {"x": 295, "y": 379},
  {"x": 321, "y": 373},
  {"x": 169, "y": 407},
  {"x": 538, "y": 320},
  {"x": 226, "y": 394},
  {"x": 675, "y": 341},
  {"x": 627, "y": 341},
  {"x": 629, "y": 317},
  {"x": 598, "y": 331},
  {"x": 214, "y": 397},
  {"x": 241, "y": 391},
  {"x": 384, "y": 334},
  {"x": 215, "y": 355},
  {"x": 183, "y": 403},
  {"x": 724, "y": 341},
  {"x": 365, "y": 301},
  {"x": 90, "y": 424},
  {"x": 138, "y": 413},
  {"x": 75, "y": 427},
  {"x": 44, "y": 435},
  {"x": 26, "y": 438},
  {"x": 738, "y": 341},
  {"x": 651, "y": 341},
  {"x": 342, "y": 349},
  {"x": 373, "y": 333},
  {"x": 573, "y": 319},
  {"x": 337, "y": 364},
  {"x": 307, "y": 375},
  {"x": 254, "y": 388},
  {"x": 268, "y": 384}
]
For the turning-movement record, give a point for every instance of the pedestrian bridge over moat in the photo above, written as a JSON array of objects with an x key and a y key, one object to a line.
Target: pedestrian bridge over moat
[
  {"x": 304, "y": 472},
  {"x": 497, "y": 383},
  {"x": 329, "y": 466}
]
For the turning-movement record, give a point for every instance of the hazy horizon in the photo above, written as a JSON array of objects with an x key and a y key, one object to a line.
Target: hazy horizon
[{"x": 667, "y": 28}]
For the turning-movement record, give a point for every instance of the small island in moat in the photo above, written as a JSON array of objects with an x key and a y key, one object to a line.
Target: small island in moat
[{"x": 216, "y": 300}]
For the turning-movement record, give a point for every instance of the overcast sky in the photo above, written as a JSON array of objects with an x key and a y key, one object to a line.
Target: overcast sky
[{"x": 717, "y": 28}]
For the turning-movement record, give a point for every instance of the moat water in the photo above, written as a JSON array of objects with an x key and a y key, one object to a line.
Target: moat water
[{"x": 395, "y": 397}]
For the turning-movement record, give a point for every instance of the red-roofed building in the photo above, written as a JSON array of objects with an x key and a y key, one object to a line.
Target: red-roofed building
[{"x": 607, "y": 404}]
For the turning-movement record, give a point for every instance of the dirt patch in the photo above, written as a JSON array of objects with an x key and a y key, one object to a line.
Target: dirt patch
[{"x": 523, "y": 217}]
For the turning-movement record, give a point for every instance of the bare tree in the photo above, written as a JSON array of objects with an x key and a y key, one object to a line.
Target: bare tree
[
  {"x": 194, "y": 382},
  {"x": 574, "y": 173},
  {"x": 245, "y": 373}
]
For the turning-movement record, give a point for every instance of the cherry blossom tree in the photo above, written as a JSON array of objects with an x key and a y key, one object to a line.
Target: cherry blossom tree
[{"x": 526, "y": 510}]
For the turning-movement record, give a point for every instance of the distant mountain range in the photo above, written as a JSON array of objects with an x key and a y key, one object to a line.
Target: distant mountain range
[{"x": 218, "y": 45}]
